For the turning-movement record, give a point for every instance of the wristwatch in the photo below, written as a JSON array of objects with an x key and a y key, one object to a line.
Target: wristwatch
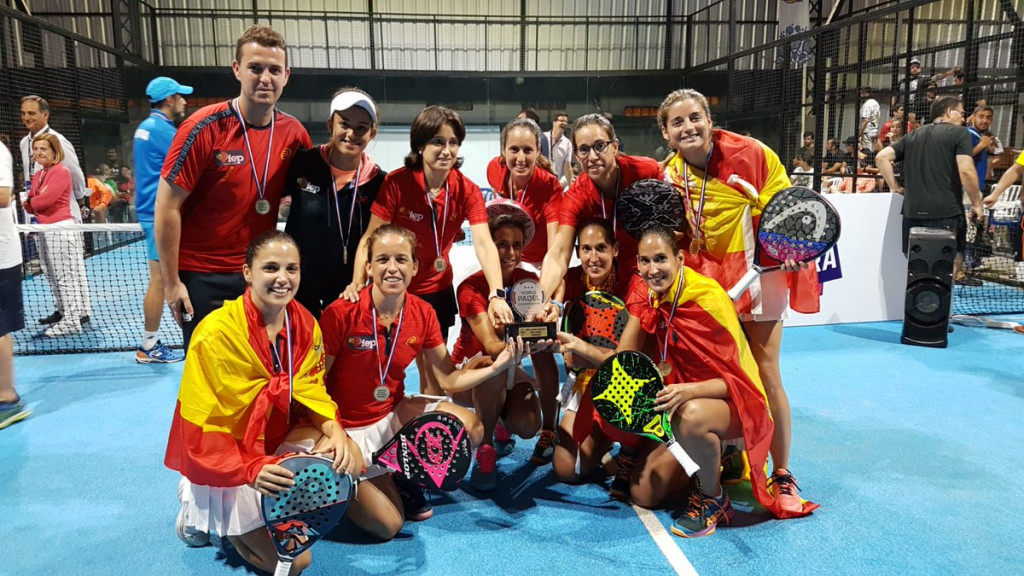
[{"x": 499, "y": 293}]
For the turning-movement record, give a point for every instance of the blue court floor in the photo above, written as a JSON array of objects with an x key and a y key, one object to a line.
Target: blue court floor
[{"x": 908, "y": 450}]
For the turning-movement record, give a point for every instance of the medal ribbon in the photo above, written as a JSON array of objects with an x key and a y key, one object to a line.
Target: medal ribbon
[
  {"x": 261, "y": 185},
  {"x": 696, "y": 219},
  {"x": 671, "y": 315},
  {"x": 433, "y": 217},
  {"x": 604, "y": 213},
  {"x": 394, "y": 343},
  {"x": 512, "y": 190},
  {"x": 345, "y": 236},
  {"x": 291, "y": 365}
]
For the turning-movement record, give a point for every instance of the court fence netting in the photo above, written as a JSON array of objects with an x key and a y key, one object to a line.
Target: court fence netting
[
  {"x": 95, "y": 270},
  {"x": 101, "y": 270}
]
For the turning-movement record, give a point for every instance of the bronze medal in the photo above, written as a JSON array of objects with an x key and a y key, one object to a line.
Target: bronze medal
[
  {"x": 262, "y": 206},
  {"x": 440, "y": 264},
  {"x": 664, "y": 369},
  {"x": 696, "y": 245}
]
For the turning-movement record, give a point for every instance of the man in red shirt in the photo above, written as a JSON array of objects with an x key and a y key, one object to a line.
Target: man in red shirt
[{"x": 222, "y": 182}]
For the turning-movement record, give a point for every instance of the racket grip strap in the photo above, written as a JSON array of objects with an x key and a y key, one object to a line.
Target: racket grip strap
[
  {"x": 284, "y": 566},
  {"x": 684, "y": 459},
  {"x": 736, "y": 291}
]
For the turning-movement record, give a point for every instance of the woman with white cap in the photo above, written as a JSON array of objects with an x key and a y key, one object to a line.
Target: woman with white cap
[{"x": 332, "y": 187}]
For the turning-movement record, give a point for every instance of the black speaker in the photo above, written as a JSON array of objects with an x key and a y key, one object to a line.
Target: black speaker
[{"x": 930, "y": 256}]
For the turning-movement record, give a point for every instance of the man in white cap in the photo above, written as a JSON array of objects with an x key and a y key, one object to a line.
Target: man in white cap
[
  {"x": 152, "y": 141},
  {"x": 222, "y": 181}
]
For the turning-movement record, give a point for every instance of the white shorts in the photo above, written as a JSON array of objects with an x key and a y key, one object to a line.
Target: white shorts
[
  {"x": 232, "y": 511},
  {"x": 373, "y": 437},
  {"x": 774, "y": 298}
]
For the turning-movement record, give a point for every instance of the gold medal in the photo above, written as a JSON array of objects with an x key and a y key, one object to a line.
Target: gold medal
[
  {"x": 381, "y": 393},
  {"x": 696, "y": 245},
  {"x": 440, "y": 264},
  {"x": 262, "y": 206},
  {"x": 664, "y": 369}
]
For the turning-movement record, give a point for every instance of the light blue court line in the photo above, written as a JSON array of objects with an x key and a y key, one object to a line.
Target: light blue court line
[{"x": 912, "y": 453}]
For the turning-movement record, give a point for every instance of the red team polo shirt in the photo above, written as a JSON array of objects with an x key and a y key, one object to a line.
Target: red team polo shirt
[
  {"x": 542, "y": 199},
  {"x": 209, "y": 159},
  {"x": 402, "y": 200},
  {"x": 473, "y": 300},
  {"x": 583, "y": 201},
  {"x": 348, "y": 336}
]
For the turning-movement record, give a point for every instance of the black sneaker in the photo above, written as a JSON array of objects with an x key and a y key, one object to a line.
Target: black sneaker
[
  {"x": 84, "y": 320},
  {"x": 51, "y": 319},
  {"x": 417, "y": 509}
]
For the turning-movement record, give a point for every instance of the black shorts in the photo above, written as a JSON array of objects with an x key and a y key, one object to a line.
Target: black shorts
[
  {"x": 957, "y": 225},
  {"x": 446, "y": 307},
  {"x": 12, "y": 309},
  {"x": 208, "y": 291}
]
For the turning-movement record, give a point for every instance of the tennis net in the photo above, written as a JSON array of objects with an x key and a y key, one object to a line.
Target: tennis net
[
  {"x": 99, "y": 271},
  {"x": 993, "y": 281}
]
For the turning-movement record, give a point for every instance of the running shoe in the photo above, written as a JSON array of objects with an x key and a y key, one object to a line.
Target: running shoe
[
  {"x": 702, "y": 515},
  {"x": 784, "y": 488},
  {"x": 158, "y": 354},
  {"x": 504, "y": 443},
  {"x": 11, "y": 412},
  {"x": 625, "y": 462},
  {"x": 484, "y": 476},
  {"x": 732, "y": 465},
  {"x": 545, "y": 448},
  {"x": 51, "y": 319},
  {"x": 414, "y": 501},
  {"x": 190, "y": 535},
  {"x": 63, "y": 328}
]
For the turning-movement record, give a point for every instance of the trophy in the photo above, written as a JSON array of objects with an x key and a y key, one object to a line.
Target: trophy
[{"x": 526, "y": 299}]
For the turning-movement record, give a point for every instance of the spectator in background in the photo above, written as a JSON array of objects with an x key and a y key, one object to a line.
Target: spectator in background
[
  {"x": 117, "y": 205},
  {"x": 922, "y": 106},
  {"x": 938, "y": 168},
  {"x": 99, "y": 199},
  {"x": 870, "y": 116},
  {"x": 807, "y": 150},
  {"x": 913, "y": 85},
  {"x": 895, "y": 117},
  {"x": 12, "y": 313},
  {"x": 222, "y": 182},
  {"x": 984, "y": 143},
  {"x": 126, "y": 191},
  {"x": 834, "y": 159},
  {"x": 850, "y": 156},
  {"x": 561, "y": 148},
  {"x": 801, "y": 174},
  {"x": 35, "y": 115},
  {"x": 150, "y": 144},
  {"x": 50, "y": 200},
  {"x": 545, "y": 145}
]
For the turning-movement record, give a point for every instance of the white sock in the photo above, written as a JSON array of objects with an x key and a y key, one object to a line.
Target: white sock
[{"x": 149, "y": 340}]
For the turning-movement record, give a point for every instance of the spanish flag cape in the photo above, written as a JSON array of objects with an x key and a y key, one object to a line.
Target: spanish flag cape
[
  {"x": 729, "y": 219},
  {"x": 233, "y": 409},
  {"x": 707, "y": 342}
]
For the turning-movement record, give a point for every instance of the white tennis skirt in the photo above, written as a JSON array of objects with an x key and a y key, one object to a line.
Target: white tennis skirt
[
  {"x": 373, "y": 437},
  {"x": 232, "y": 511}
]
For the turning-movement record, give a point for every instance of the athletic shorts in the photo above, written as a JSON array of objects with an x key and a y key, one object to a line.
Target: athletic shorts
[
  {"x": 12, "y": 309},
  {"x": 373, "y": 437},
  {"x": 444, "y": 304},
  {"x": 150, "y": 240}
]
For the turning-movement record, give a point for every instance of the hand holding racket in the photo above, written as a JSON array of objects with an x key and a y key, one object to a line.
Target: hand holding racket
[
  {"x": 597, "y": 318},
  {"x": 797, "y": 224},
  {"x": 432, "y": 450},
  {"x": 299, "y": 516},
  {"x": 625, "y": 393}
]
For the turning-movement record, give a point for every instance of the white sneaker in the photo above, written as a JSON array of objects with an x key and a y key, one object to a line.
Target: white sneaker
[
  {"x": 190, "y": 535},
  {"x": 63, "y": 328}
]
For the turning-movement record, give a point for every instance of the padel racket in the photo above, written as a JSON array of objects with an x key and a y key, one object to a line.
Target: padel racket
[
  {"x": 649, "y": 203},
  {"x": 624, "y": 389},
  {"x": 298, "y": 517},
  {"x": 432, "y": 450},
  {"x": 597, "y": 318},
  {"x": 974, "y": 321},
  {"x": 796, "y": 224}
]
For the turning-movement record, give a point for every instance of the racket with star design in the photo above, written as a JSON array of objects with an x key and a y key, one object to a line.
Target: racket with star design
[
  {"x": 299, "y": 517},
  {"x": 624, "y": 390},
  {"x": 432, "y": 450}
]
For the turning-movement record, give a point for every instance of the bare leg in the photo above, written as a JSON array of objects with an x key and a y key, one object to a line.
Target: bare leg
[
  {"x": 546, "y": 371},
  {"x": 7, "y": 391},
  {"x": 153, "y": 305},
  {"x": 520, "y": 411},
  {"x": 257, "y": 549},
  {"x": 765, "y": 343},
  {"x": 377, "y": 508}
]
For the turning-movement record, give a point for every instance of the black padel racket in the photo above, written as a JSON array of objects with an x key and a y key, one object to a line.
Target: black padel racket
[
  {"x": 432, "y": 450},
  {"x": 298, "y": 517},
  {"x": 648, "y": 203},
  {"x": 623, "y": 391},
  {"x": 796, "y": 224},
  {"x": 597, "y": 318}
]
